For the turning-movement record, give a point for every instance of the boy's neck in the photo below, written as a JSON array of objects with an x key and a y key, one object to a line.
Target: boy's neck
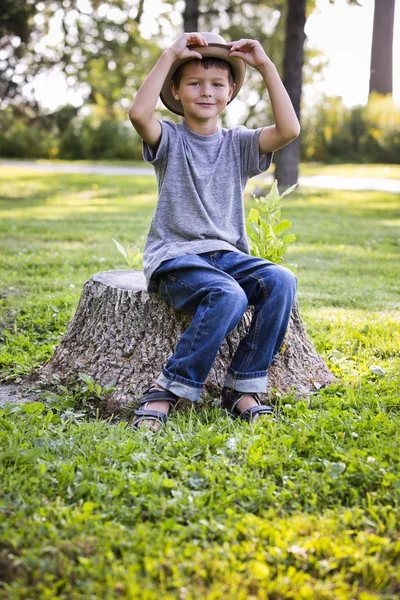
[{"x": 201, "y": 127}]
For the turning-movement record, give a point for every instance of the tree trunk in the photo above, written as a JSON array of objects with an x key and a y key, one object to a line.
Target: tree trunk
[
  {"x": 139, "y": 13},
  {"x": 287, "y": 159},
  {"x": 191, "y": 16},
  {"x": 381, "y": 72},
  {"x": 121, "y": 332}
]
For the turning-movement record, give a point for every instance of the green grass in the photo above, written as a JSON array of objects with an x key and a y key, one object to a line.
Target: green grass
[
  {"x": 306, "y": 507},
  {"x": 351, "y": 170}
]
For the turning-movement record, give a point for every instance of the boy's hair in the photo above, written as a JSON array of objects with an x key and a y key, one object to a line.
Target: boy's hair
[{"x": 205, "y": 62}]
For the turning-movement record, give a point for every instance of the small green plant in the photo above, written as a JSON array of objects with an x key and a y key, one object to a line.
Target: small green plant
[
  {"x": 132, "y": 255},
  {"x": 79, "y": 398},
  {"x": 264, "y": 227}
]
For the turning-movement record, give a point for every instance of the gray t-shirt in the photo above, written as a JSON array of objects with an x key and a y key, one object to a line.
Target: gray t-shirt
[{"x": 201, "y": 179}]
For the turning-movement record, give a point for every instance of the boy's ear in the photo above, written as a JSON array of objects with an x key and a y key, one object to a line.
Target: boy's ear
[
  {"x": 174, "y": 91},
  {"x": 232, "y": 89}
]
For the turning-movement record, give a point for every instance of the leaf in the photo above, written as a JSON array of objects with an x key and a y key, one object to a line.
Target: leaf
[
  {"x": 274, "y": 192},
  {"x": 6, "y": 424},
  {"x": 289, "y": 238},
  {"x": 335, "y": 469},
  {"x": 253, "y": 233},
  {"x": 289, "y": 190},
  {"x": 111, "y": 385},
  {"x": 335, "y": 355},
  {"x": 120, "y": 248},
  {"x": 34, "y": 408},
  {"x": 89, "y": 507},
  {"x": 254, "y": 215},
  {"x": 86, "y": 378},
  {"x": 377, "y": 370},
  {"x": 132, "y": 250},
  {"x": 282, "y": 226},
  {"x": 135, "y": 261}
]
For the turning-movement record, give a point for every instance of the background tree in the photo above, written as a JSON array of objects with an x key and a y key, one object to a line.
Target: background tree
[
  {"x": 287, "y": 159},
  {"x": 16, "y": 26},
  {"x": 101, "y": 51},
  {"x": 100, "y": 47},
  {"x": 191, "y": 16},
  {"x": 381, "y": 72}
]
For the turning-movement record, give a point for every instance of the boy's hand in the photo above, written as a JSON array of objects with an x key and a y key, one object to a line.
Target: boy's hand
[
  {"x": 180, "y": 46},
  {"x": 250, "y": 51}
]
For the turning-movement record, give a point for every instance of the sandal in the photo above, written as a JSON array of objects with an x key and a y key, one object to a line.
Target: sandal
[
  {"x": 153, "y": 415},
  {"x": 231, "y": 398}
]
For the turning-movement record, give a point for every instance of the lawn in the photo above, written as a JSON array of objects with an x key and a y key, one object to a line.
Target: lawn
[
  {"x": 306, "y": 507},
  {"x": 351, "y": 170}
]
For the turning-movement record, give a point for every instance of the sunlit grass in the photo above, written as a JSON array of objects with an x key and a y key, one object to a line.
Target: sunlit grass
[
  {"x": 352, "y": 170},
  {"x": 380, "y": 171}
]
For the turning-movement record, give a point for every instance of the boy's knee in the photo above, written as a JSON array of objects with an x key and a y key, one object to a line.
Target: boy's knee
[
  {"x": 233, "y": 299},
  {"x": 286, "y": 280},
  {"x": 279, "y": 280}
]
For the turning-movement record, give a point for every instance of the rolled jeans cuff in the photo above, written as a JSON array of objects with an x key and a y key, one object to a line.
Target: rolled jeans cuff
[
  {"x": 180, "y": 389},
  {"x": 242, "y": 382}
]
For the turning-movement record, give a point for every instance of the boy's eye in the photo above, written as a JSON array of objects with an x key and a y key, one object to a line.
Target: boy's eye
[{"x": 197, "y": 83}]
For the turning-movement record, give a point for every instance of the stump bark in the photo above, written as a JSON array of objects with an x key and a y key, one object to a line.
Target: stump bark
[{"x": 121, "y": 332}]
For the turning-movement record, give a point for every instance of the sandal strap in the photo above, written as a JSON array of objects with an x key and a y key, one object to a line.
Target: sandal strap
[
  {"x": 231, "y": 399},
  {"x": 249, "y": 413},
  {"x": 158, "y": 395},
  {"x": 236, "y": 402},
  {"x": 149, "y": 414}
]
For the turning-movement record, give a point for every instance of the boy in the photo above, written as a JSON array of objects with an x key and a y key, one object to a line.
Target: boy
[{"x": 196, "y": 254}]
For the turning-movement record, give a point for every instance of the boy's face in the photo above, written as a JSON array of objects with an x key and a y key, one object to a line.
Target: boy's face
[{"x": 204, "y": 93}]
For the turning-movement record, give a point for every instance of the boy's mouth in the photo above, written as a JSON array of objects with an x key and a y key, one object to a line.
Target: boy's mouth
[{"x": 205, "y": 104}]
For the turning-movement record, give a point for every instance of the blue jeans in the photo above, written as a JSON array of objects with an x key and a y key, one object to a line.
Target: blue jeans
[{"x": 216, "y": 287}]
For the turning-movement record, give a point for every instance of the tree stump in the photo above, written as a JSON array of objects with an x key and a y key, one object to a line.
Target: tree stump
[{"x": 121, "y": 332}]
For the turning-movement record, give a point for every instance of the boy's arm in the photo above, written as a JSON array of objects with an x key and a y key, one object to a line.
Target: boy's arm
[
  {"x": 142, "y": 108},
  {"x": 287, "y": 126}
]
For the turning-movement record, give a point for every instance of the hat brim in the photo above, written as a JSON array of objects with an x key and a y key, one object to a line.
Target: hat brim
[{"x": 213, "y": 50}]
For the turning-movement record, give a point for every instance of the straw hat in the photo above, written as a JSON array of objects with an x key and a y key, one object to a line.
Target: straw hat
[{"x": 217, "y": 48}]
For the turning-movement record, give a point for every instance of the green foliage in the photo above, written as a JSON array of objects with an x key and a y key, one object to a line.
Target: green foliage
[
  {"x": 265, "y": 229},
  {"x": 100, "y": 134},
  {"x": 23, "y": 137},
  {"x": 132, "y": 255},
  {"x": 89, "y": 134},
  {"x": 100, "y": 49},
  {"x": 81, "y": 397},
  {"x": 332, "y": 132}
]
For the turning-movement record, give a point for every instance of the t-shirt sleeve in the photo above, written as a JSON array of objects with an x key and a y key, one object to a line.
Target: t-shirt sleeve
[
  {"x": 252, "y": 162},
  {"x": 156, "y": 157}
]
